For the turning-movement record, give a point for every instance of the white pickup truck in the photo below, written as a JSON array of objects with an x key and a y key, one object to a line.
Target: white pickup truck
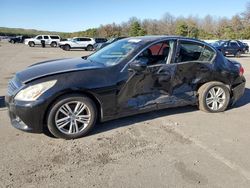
[
  {"x": 78, "y": 43},
  {"x": 51, "y": 40}
]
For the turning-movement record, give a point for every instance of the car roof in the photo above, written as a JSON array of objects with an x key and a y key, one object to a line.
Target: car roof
[{"x": 151, "y": 38}]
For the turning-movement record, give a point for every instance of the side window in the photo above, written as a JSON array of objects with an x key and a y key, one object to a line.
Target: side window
[
  {"x": 234, "y": 44},
  {"x": 54, "y": 37},
  {"x": 191, "y": 51},
  {"x": 40, "y": 37},
  {"x": 86, "y": 39},
  {"x": 46, "y": 37},
  {"x": 159, "y": 53}
]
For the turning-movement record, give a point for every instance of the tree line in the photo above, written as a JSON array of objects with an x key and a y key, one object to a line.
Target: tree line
[{"x": 208, "y": 27}]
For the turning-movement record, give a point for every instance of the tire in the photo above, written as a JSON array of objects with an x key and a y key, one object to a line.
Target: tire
[
  {"x": 216, "y": 102},
  {"x": 31, "y": 44},
  {"x": 53, "y": 44},
  {"x": 238, "y": 54},
  {"x": 12, "y": 42},
  {"x": 90, "y": 48},
  {"x": 72, "y": 120},
  {"x": 66, "y": 47}
]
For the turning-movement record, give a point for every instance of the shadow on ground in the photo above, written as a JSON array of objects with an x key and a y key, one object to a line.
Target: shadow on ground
[{"x": 127, "y": 121}]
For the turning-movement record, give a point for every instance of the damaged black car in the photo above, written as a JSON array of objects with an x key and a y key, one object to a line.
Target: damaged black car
[{"x": 130, "y": 76}]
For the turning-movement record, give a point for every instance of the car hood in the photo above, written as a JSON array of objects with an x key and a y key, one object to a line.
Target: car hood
[{"x": 47, "y": 68}]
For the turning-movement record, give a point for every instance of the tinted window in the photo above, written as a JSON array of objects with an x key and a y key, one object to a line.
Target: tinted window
[
  {"x": 100, "y": 40},
  {"x": 159, "y": 53},
  {"x": 84, "y": 39},
  {"x": 54, "y": 37},
  {"x": 39, "y": 37},
  {"x": 190, "y": 51},
  {"x": 46, "y": 37},
  {"x": 234, "y": 44}
]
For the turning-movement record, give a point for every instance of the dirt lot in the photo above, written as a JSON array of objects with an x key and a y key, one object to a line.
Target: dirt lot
[{"x": 180, "y": 147}]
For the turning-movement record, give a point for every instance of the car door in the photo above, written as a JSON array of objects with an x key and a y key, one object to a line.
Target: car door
[
  {"x": 85, "y": 42},
  {"x": 193, "y": 66},
  {"x": 46, "y": 39},
  {"x": 38, "y": 39},
  {"x": 233, "y": 47},
  {"x": 147, "y": 89}
]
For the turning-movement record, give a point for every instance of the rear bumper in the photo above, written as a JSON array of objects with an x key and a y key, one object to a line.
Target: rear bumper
[{"x": 238, "y": 92}]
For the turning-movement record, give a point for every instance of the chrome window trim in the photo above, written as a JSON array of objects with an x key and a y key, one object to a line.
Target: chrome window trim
[{"x": 177, "y": 40}]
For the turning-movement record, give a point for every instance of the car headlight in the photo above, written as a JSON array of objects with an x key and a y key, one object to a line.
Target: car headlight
[{"x": 31, "y": 93}]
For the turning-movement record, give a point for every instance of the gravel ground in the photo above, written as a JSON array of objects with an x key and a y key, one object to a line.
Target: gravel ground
[{"x": 181, "y": 147}]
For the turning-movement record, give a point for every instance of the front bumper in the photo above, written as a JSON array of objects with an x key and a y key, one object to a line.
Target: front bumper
[
  {"x": 238, "y": 91},
  {"x": 26, "y": 116}
]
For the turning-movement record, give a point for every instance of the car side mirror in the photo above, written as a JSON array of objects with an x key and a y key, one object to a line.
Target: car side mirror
[{"x": 138, "y": 65}]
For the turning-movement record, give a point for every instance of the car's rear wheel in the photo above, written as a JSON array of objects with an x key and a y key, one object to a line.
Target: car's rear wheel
[
  {"x": 53, "y": 44},
  {"x": 72, "y": 116},
  {"x": 66, "y": 47},
  {"x": 90, "y": 48},
  {"x": 31, "y": 44},
  {"x": 213, "y": 97}
]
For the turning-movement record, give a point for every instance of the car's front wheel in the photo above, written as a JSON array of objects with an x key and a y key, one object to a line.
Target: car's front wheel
[
  {"x": 72, "y": 117},
  {"x": 213, "y": 97}
]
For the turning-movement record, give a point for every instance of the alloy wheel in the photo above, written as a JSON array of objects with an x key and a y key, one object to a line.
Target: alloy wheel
[
  {"x": 72, "y": 117},
  {"x": 215, "y": 98}
]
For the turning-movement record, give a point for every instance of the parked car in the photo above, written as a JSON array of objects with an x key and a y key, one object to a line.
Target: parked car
[
  {"x": 51, "y": 40},
  {"x": 246, "y": 47},
  {"x": 78, "y": 43},
  {"x": 99, "y": 41},
  {"x": 99, "y": 46},
  {"x": 18, "y": 39},
  {"x": 230, "y": 47},
  {"x": 130, "y": 76}
]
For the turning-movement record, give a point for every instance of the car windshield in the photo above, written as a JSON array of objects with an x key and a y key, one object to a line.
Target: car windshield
[{"x": 115, "y": 52}]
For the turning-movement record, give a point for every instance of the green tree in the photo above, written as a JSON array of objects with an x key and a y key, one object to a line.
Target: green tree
[
  {"x": 136, "y": 29},
  {"x": 181, "y": 28}
]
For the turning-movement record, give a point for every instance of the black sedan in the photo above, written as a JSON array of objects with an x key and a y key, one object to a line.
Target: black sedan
[{"x": 130, "y": 76}]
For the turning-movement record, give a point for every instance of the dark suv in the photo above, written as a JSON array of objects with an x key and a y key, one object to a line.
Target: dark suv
[
  {"x": 18, "y": 39},
  {"x": 230, "y": 47}
]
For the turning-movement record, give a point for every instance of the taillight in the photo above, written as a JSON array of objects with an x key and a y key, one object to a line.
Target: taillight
[{"x": 241, "y": 72}]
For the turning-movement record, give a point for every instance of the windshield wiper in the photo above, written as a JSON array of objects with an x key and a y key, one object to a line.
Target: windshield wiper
[{"x": 85, "y": 57}]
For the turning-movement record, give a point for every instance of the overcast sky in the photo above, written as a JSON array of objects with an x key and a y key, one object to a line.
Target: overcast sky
[{"x": 76, "y": 15}]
